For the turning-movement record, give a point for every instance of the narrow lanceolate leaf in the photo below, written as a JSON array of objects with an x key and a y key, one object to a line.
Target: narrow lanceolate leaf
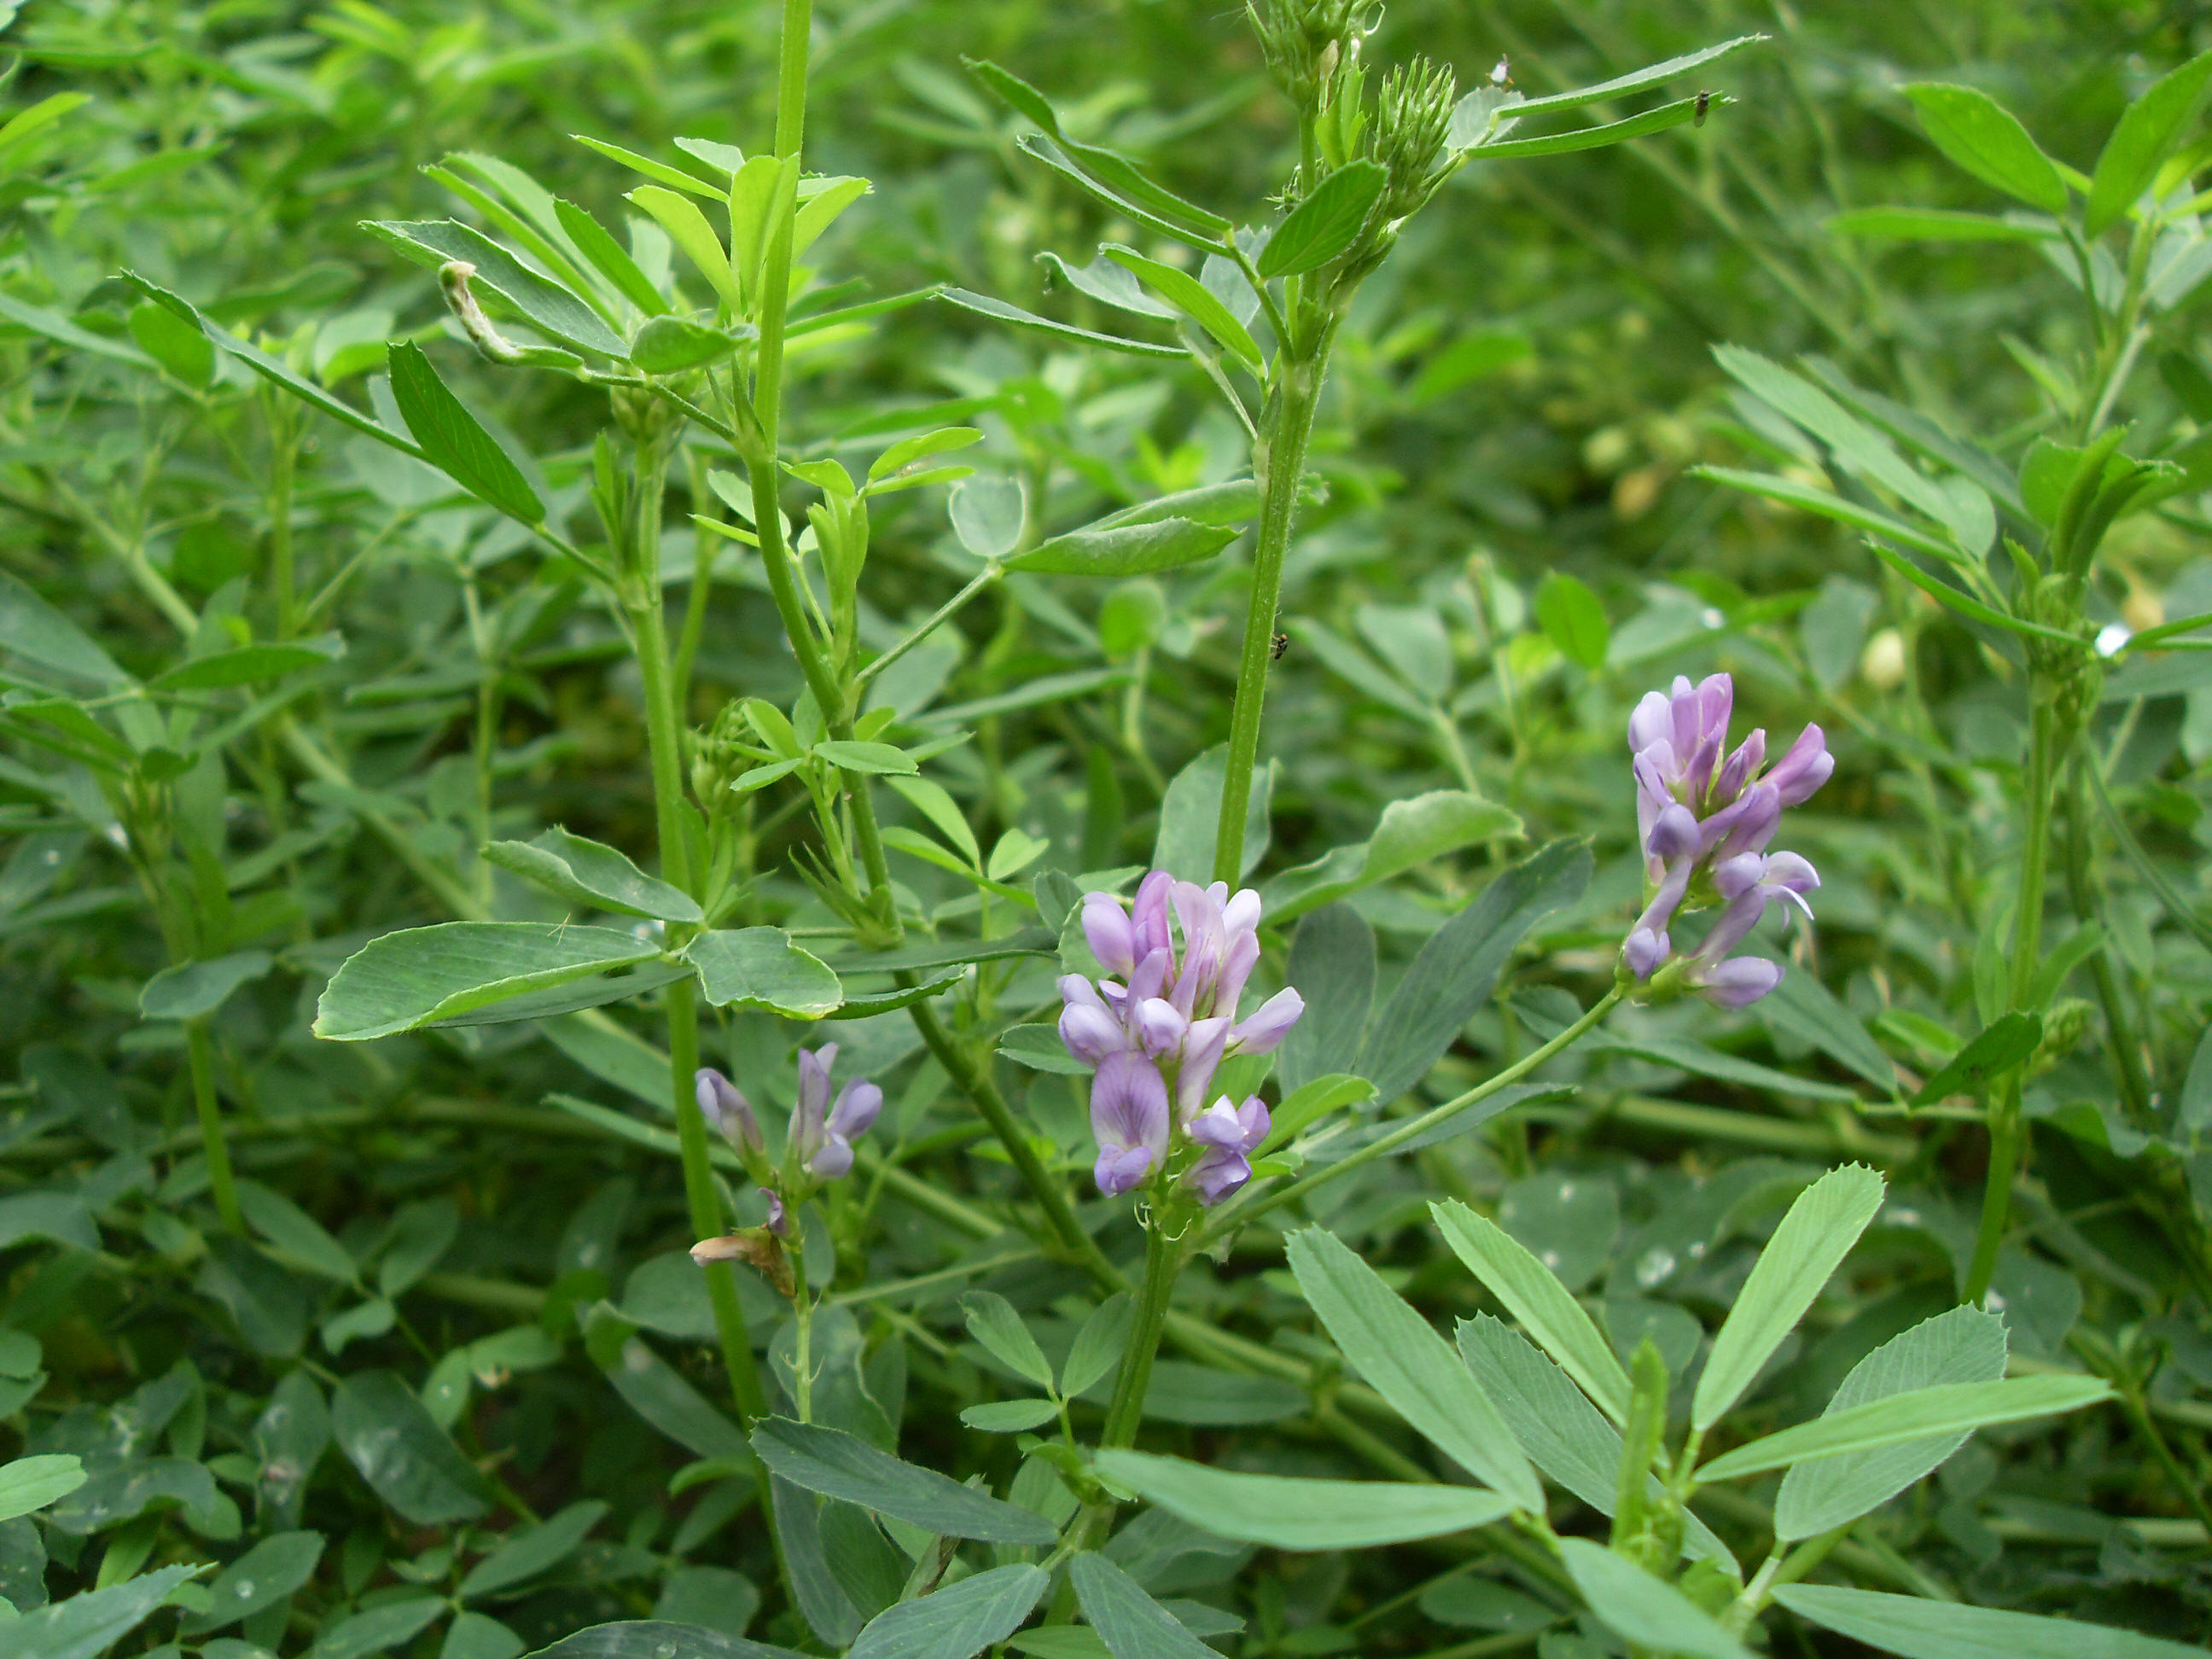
[
  {"x": 1404, "y": 1361},
  {"x": 589, "y": 873},
  {"x": 1535, "y": 1296},
  {"x": 1290, "y": 1514},
  {"x": 453, "y": 440},
  {"x": 1612, "y": 132},
  {"x": 1645, "y": 1610},
  {"x": 32, "y": 1483},
  {"x": 410, "y": 978},
  {"x": 1191, "y": 297},
  {"x": 957, "y": 1622},
  {"x": 761, "y": 968},
  {"x": 2148, "y": 130},
  {"x": 1920, "y": 1629},
  {"x": 1642, "y": 80},
  {"x": 1963, "y": 1345},
  {"x": 86, "y": 1626},
  {"x": 656, "y": 1638},
  {"x": 1126, "y": 550},
  {"x": 1909, "y": 224},
  {"x": 1130, "y": 1624},
  {"x": 1321, "y": 227},
  {"x": 1950, "y": 1408},
  {"x": 546, "y": 305},
  {"x": 840, "y": 1465},
  {"x": 1808, "y": 1246},
  {"x": 984, "y": 306},
  {"x": 1986, "y": 138},
  {"x": 34, "y": 631}
]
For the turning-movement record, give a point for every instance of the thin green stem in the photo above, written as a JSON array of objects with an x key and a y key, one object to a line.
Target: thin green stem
[
  {"x": 2127, "y": 1054},
  {"x": 976, "y": 583},
  {"x": 792, "y": 53},
  {"x": 1164, "y": 1257},
  {"x": 704, "y": 546},
  {"x": 802, "y": 1318},
  {"x": 200, "y": 1047},
  {"x": 2038, "y": 783},
  {"x": 1278, "y": 462},
  {"x": 283, "y": 453},
  {"x": 1238, "y": 1215}
]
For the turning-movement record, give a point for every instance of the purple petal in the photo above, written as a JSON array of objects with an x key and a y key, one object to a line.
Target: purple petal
[
  {"x": 1218, "y": 1126},
  {"x": 1148, "y": 918},
  {"x": 1803, "y": 769},
  {"x": 835, "y": 1159},
  {"x": 778, "y": 1222},
  {"x": 1106, "y": 925},
  {"x": 1739, "y": 982},
  {"x": 1236, "y": 966},
  {"x": 1733, "y": 878},
  {"x": 1202, "y": 1056},
  {"x": 1129, "y": 1104},
  {"x": 1746, "y": 824},
  {"x": 1735, "y": 924},
  {"x": 1090, "y": 1033},
  {"x": 1652, "y": 722},
  {"x": 1643, "y": 952},
  {"x": 1118, "y": 1172},
  {"x": 730, "y": 1112},
  {"x": 1152, "y": 972},
  {"x": 1741, "y": 768},
  {"x": 1269, "y": 1023},
  {"x": 1159, "y": 1026},
  {"x": 1674, "y": 833},
  {"x": 856, "y": 1110},
  {"x": 1218, "y": 1175}
]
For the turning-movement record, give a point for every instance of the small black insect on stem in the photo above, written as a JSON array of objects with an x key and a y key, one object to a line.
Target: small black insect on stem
[
  {"x": 1705, "y": 99},
  {"x": 1282, "y": 643}
]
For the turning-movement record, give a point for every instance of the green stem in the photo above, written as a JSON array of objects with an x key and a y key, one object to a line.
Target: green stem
[
  {"x": 704, "y": 544},
  {"x": 2127, "y": 1056},
  {"x": 2005, "y": 1116},
  {"x": 282, "y": 455},
  {"x": 1163, "y": 1260},
  {"x": 665, "y": 740},
  {"x": 802, "y": 1315},
  {"x": 1238, "y": 1215},
  {"x": 201, "y": 1048},
  {"x": 975, "y": 1080},
  {"x": 1278, "y": 462}
]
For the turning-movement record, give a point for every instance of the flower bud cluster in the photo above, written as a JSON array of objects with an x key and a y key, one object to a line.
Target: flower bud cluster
[
  {"x": 1704, "y": 823},
  {"x": 1412, "y": 116},
  {"x": 818, "y": 1146},
  {"x": 1155, "y": 1035},
  {"x": 1304, "y": 42}
]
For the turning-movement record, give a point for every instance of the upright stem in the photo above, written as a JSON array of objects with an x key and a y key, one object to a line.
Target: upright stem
[
  {"x": 1163, "y": 1260},
  {"x": 1278, "y": 461},
  {"x": 665, "y": 738},
  {"x": 201, "y": 1048},
  {"x": 284, "y": 425},
  {"x": 2005, "y": 1116},
  {"x": 802, "y": 1315},
  {"x": 2127, "y": 1056}
]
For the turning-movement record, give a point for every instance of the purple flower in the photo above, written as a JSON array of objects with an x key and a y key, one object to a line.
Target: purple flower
[
  {"x": 822, "y": 1134},
  {"x": 1182, "y": 956},
  {"x": 1229, "y": 1136},
  {"x": 1129, "y": 1117},
  {"x": 729, "y": 1112},
  {"x": 1704, "y": 822},
  {"x": 778, "y": 1222}
]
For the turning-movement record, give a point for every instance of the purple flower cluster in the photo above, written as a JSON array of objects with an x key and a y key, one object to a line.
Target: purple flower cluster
[
  {"x": 819, "y": 1145},
  {"x": 1155, "y": 1035},
  {"x": 1704, "y": 822}
]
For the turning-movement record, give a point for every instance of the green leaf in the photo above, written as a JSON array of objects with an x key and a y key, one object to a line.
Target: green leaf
[
  {"x": 657, "y": 1639},
  {"x": 841, "y": 1466},
  {"x": 984, "y": 304},
  {"x": 1613, "y": 132},
  {"x": 1131, "y": 1624},
  {"x": 877, "y": 759},
  {"x": 1456, "y": 970},
  {"x": 1009, "y": 1416},
  {"x": 453, "y": 441},
  {"x": 1098, "y": 1345},
  {"x": 1406, "y": 1362},
  {"x": 2148, "y": 130},
  {"x": 180, "y": 347},
  {"x": 657, "y": 1392},
  {"x": 761, "y": 968},
  {"x": 294, "y": 1232},
  {"x": 1410, "y": 833},
  {"x": 476, "y": 1636},
  {"x": 261, "y": 1577},
  {"x": 531, "y": 1551},
  {"x": 1573, "y": 619},
  {"x": 1292, "y": 1514},
  {"x": 34, "y": 631},
  {"x": 1193, "y": 298},
  {"x": 546, "y": 305},
  {"x": 659, "y": 171},
  {"x": 1126, "y": 550},
  {"x": 1826, "y": 504},
  {"x": 1947, "y": 1409},
  {"x": 191, "y": 989},
  {"x": 1987, "y": 140},
  {"x": 1190, "y": 817},
  {"x": 957, "y": 1622},
  {"x": 1321, "y": 227},
  {"x": 670, "y": 345},
  {"x": 248, "y": 665},
  {"x": 1535, "y": 1296},
  {"x": 1962, "y": 1345},
  {"x": 589, "y": 873},
  {"x": 612, "y": 260},
  {"x": 32, "y": 1483},
  {"x": 86, "y": 1626},
  {"x": 1333, "y": 965},
  {"x": 1808, "y": 1246},
  {"x": 1645, "y": 1610},
  {"x": 1312, "y": 1101},
  {"x": 1808, "y": 1011},
  {"x": 1909, "y": 224},
  {"x": 1996, "y": 1051},
  {"x": 1953, "y": 599},
  {"x": 379, "y": 1628},
  {"x": 419, "y": 975},
  {"x": 992, "y": 1321},
  {"x": 388, "y": 1436},
  {"x": 688, "y": 229},
  {"x": 908, "y": 451},
  {"x": 1641, "y": 80},
  {"x": 1920, "y": 1629}
]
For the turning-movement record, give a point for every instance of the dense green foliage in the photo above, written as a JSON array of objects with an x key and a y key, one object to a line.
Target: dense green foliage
[{"x": 441, "y": 704}]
